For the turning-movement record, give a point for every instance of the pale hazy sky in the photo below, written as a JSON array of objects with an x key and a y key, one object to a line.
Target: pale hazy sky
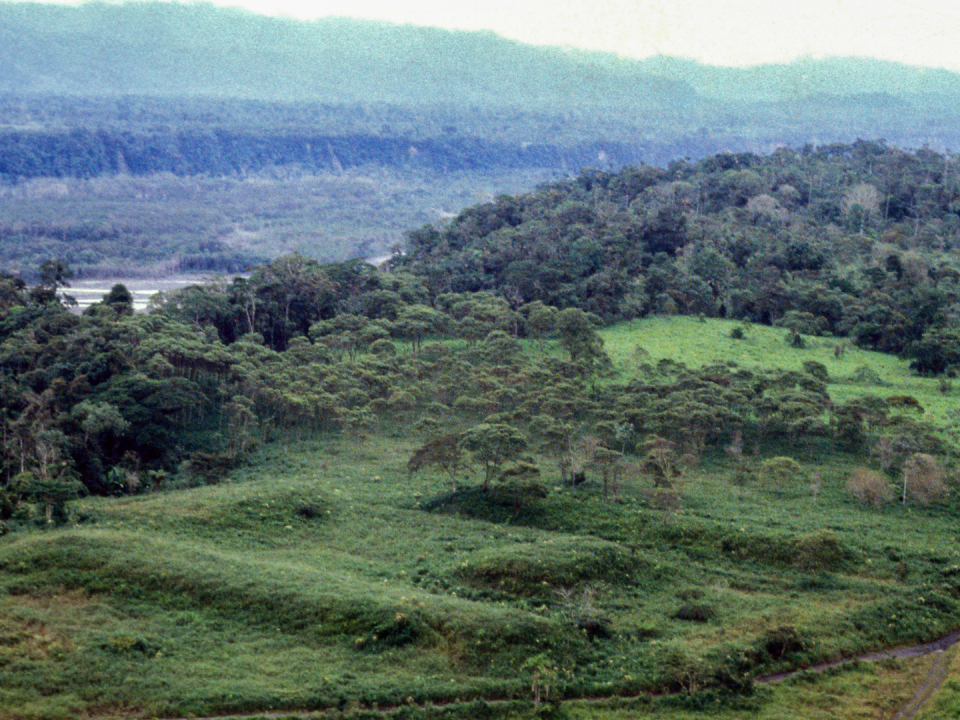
[{"x": 725, "y": 32}]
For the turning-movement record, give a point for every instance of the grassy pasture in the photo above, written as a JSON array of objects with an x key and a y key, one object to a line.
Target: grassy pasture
[
  {"x": 323, "y": 577},
  {"x": 697, "y": 343}
]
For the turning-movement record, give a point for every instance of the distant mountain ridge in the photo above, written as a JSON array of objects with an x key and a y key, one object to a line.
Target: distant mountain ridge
[
  {"x": 806, "y": 78},
  {"x": 171, "y": 49},
  {"x": 154, "y": 102}
]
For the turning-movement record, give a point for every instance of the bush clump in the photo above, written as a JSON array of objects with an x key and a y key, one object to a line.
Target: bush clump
[
  {"x": 401, "y": 630},
  {"x": 530, "y": 569},
  {"x": 821, "y": 550},
  {"x": 869, "y": 487},
  {"x": 924, "y": 478},
  {"x": 779, "y": 473},
  {"x": 695, "y": 612},
  {"x": 760, "y": 548},
  {"x": 779, "y": 642}
]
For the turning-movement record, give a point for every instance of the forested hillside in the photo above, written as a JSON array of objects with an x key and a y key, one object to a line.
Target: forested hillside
[
  {"x": 481, "y": 84},
  {"x": 165, "y": 138},
  {"x": 855, "y": 243}
]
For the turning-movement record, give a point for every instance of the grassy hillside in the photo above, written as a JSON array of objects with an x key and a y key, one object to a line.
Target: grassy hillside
[
  {"x": 855, "y": 373},
  {"x": 323, "y": 575}
]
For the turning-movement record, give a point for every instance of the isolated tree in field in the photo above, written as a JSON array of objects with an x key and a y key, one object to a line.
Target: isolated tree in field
[
  {"x": 494, "y": 444},
  {"x": 444, "y": 452},
  {"x": 53, "y": 492},
  {"x": 923, "y": 479},
  {"x": 902, "y": 438},
  {"x": 543, "y": 676},
  {"x": 869, "y": 487},
  {"x": 936, "y": 352}
]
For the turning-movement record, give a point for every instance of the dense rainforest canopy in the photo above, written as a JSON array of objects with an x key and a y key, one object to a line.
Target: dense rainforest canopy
[
  {"x": 851, "y": 241},
  {"x": 854, "y": 240}
]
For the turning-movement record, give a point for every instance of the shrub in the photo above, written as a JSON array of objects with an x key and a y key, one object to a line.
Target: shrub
[
  {"x": 398, "y": 631},
  {"x": 781, "y": 641},
  {"x": 129, "y": 645},
  {"x": 799, "y": 322},
  {"x": 311, "y": 511},
  {"x": 778, "y": 473},
  {"x": 923, "y": 479},
  {"x": 695, "y": 612},
  {"x": 869, "y": 487},
  {"x": 821, "y": 550},
  {"x": 660, "y": 461},
  {"x": 772, "y": 550},
  {"x": 795, "y": 340},
  {"x": 531, "y": 569},
  {"x": 866, "y": 375},
  {"x": 817, "y": 370},
  {"x": 209, "y": 468},
  {"x": 665, "y": 500}
]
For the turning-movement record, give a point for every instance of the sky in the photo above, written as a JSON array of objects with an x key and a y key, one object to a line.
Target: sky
[{"x": 719, "y": 32}]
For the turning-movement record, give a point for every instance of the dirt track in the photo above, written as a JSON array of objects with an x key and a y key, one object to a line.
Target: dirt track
[
  {"x": 912, "y": 651},
  {"x": 939, "y": 669}
]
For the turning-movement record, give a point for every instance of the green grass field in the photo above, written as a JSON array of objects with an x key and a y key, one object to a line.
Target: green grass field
[
  {"x": 697, "y": 343},
  {"x": 322, "y": 576}
]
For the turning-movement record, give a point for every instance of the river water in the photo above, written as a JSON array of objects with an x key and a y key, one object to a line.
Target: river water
[{"x": 88, "y": 292}]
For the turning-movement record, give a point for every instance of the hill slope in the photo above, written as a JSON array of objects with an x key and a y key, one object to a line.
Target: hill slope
[
  {"x": 168, "y": 49},
  {"x": 173, "y": 49}
]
